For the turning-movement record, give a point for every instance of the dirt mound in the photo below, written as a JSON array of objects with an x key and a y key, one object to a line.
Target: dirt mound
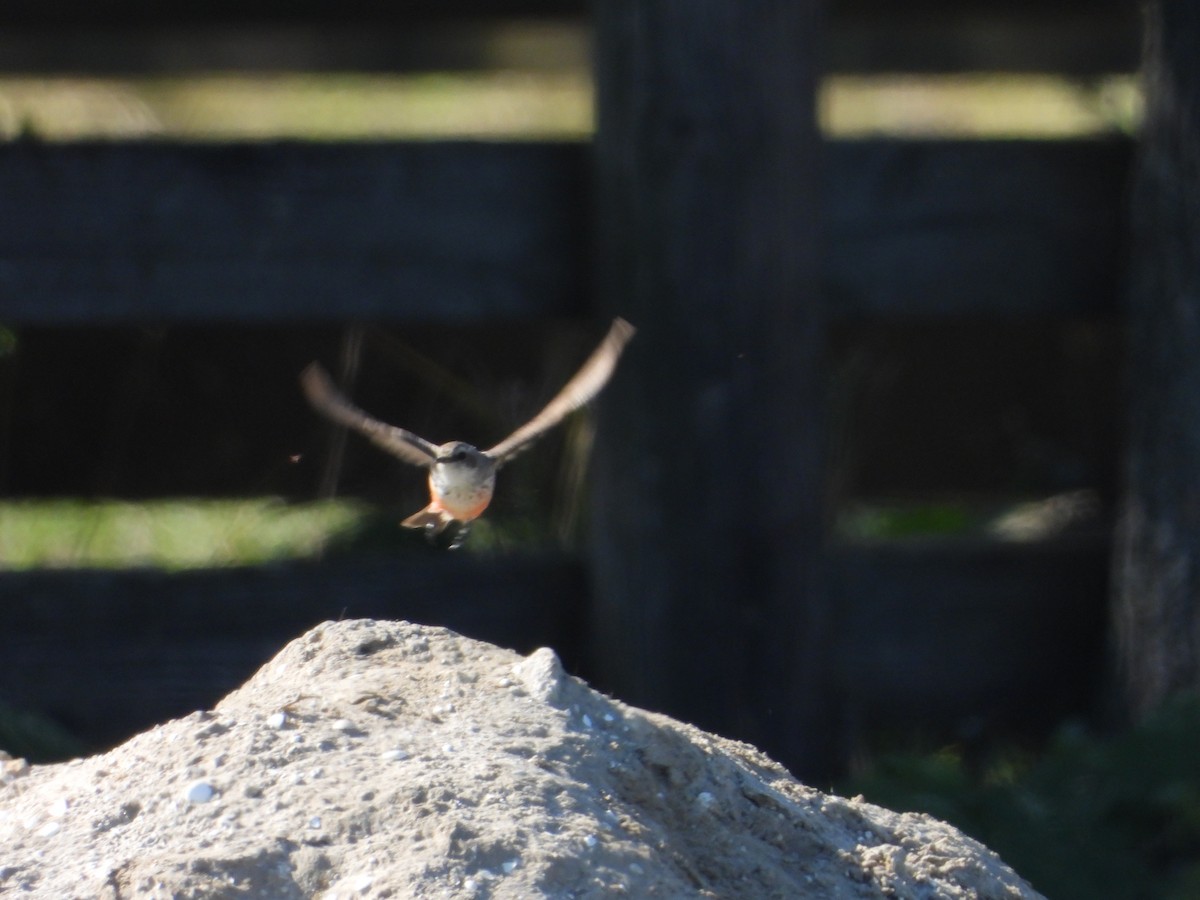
[{"x": 383, "y": 759}]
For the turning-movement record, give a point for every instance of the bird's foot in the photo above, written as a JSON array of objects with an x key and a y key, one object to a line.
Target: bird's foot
[{"x": 460, "y": 536}]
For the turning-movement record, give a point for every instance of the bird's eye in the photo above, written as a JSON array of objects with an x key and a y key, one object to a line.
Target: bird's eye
[{"x": 459, "y": 455}]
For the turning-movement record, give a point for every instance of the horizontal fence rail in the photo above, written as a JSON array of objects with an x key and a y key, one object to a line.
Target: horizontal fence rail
[
  {"x": 104, "y": 233},
  {"x": 1063, "y": 36},
  {"x": 109, "y": 233},
  {"x": 1007, "y": 633}
]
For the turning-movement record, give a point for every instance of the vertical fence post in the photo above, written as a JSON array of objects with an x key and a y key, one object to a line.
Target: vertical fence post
[
  {"x": 1157, "y": 560},
  {"x": 708, "y": 484}
]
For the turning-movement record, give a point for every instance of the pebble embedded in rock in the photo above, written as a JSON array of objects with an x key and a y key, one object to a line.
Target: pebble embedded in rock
[
  {"x": 49, "y": 829},
  {"x": 199, "y": 792}
]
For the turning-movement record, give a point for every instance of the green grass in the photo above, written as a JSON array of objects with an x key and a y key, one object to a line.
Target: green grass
[
  {"x": 189, "y": 534},
  {"x": 340, "y": 106},
  {"x": 979, "y": 104},
  {"x": 898, "y": 521},
  {"x": 29, "y": 735},
  {"x": 535, "y": 103},
  {"x": 1115, "y": 817},
  {"x": 1020, "y": 519},
  {"x": 168, "y": 534}
]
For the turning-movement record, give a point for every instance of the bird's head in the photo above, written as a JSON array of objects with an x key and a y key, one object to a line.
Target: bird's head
[{"x": 458, "y": 453}]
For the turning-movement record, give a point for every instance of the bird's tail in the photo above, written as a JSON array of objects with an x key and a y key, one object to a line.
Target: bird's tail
[{"x": 432, "y": 520}]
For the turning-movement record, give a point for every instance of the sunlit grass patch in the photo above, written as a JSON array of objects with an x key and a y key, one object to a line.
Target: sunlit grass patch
[
  {"x": 1016, "y": 519},
  {"x": 982, "y": 104},
  {"x": 529, "y": 104},
  {"x": 169, "y": 534},
  {"x": 510, "y": 104},
  {"x": 897, "y": 521}
]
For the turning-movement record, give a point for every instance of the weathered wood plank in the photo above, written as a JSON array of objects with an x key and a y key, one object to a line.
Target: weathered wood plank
[
  {"x": 967, "y": 634},
  {"x": 289, "y": 232},
  {"x": 1156, "y": 616},
  {"x": 134, "y": 14},
  {"x": 143, "y": 13},
  {"x": 110, "y": 653},
  {"x": 382, "y": 45},
  {"x": 1096, "y": 39},
  {"x": 1080, "y": 38},
  {"x": 920, "y": 228},
  {"x": 1068, "y": 38},
  {"x": 708, "y": 456},
  {"x": 292, "y": 232}
]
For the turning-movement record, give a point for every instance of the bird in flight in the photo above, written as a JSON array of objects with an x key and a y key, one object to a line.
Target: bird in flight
[{"x": 461, "y": 477}]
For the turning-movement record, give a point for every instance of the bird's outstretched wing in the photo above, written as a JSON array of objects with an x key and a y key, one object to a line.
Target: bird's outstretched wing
[
  {"x": 328, "y": 401},
  {"x": 586, "y": 384}
]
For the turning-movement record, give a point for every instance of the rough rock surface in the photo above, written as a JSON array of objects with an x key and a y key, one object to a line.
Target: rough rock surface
[{"x": 383, "y": 759}]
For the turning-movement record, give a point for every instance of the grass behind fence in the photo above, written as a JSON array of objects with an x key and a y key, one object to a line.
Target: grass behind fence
[
  {"x": 191, "y": 534},
  {"x": 528, "y": 105},
  {"x": 1090, "y": 816},
  {"x": 168, "y": 534}
]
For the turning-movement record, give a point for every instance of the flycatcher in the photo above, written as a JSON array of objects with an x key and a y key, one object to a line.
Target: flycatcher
[{"x": 462, "y": 478}]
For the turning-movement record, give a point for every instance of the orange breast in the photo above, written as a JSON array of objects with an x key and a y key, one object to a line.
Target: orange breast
[
  {"x": 464, "y": 508},
  {"x": 461, "y": 513}
]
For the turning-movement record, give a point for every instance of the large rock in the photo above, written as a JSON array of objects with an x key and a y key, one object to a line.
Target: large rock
[{"x": 383, "y": 759}]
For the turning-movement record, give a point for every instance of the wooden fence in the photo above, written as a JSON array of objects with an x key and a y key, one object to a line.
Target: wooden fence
[{"x": 718, "y": 601}]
